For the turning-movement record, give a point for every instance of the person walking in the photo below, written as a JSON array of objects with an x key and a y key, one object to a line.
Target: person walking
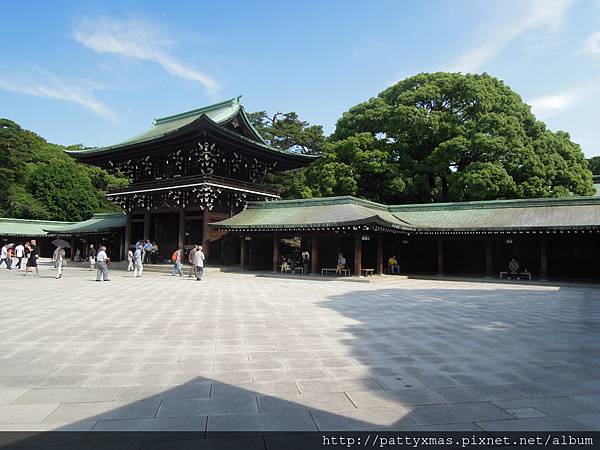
[
  {"x": 102, "y": 264},
  {"x": 92, "y": 256},
  {"x": 9, "y": 257},
  {"x": 4, "y": 255},
  {"x": 176, "y": 258},
  {"x": 58, "y": 257},
  {"x": 138, "y": 267},
  {"x": 129, "y": 261},
  {"x": 146, "y": 249},
  {"x": 19, "y": 253},
  {"x": 34, "y": 254},
  {"x": 192, "y": 260},
  {"x": 305, "y": 262},
  {"x": 199, "y": 263}
]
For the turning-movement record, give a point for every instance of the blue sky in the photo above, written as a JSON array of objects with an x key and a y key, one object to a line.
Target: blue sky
[{"x": 98, "y": 72}]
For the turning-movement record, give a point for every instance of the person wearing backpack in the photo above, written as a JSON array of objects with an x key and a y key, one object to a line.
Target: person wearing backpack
[{"x": 176, "y": 258}]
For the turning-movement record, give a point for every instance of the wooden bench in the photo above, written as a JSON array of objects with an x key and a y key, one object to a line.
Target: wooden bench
[
  {"x": 327, "y": 270},
  {"x": 518, "y": 274},
  {"x": 367, "y": 272}
]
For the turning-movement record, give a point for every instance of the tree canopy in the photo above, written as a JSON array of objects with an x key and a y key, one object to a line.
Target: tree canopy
[
  {"x": 285, "y": 131},
  {"x": 447, "y": 137},
  {"x": 594, "y": 164},
  {"x": 38, "y": 180}
]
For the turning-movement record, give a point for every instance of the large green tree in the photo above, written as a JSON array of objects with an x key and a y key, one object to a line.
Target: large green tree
[
  {"x": 38, "y": 180},
  {"x": 447, "y": 137}
]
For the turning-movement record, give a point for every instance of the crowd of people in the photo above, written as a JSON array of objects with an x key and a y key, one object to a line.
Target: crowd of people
[
  {"x": 145, "y": 252},
  {"x": 28, "y": 251}
]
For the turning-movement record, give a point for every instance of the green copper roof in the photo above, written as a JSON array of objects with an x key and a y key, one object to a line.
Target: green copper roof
[
  {"x": 219, "y": 112},
  {"x": 26, "y": 228},
  {"x": 575, "y": 212},
  {"x": 313, "y": 213},
  {"x": 97, "y": 224}
]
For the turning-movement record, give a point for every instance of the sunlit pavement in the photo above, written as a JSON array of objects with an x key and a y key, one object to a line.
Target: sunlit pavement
[{"x": 241, "y": 352}]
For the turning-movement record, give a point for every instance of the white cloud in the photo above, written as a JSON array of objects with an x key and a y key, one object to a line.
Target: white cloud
[
  {"x": 138, "y": 39},
  {"x": 41, "y": 83},
  {"x": 592, "y": 44},
  {"x": 538, "y": 14},
  {"x": 554, "y": 104}
]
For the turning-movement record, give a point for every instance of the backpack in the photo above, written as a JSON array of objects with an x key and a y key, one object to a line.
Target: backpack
[{"x": 174, "y": 256}]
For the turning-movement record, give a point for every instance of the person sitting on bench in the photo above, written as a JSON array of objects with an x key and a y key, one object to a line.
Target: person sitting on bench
[
  {"x": 513, "y": 268},
  {"x": 393, "y": 264},
  {"x": 341, "y": 264}
]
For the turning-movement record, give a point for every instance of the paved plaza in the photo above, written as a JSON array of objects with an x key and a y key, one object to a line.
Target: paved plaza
[{"x": 244, "y": 352}]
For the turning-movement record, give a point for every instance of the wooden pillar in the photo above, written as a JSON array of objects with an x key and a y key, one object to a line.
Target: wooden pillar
[
  {"x": 275, "y": 252},
  {"x": 543, "y": 259},
  {"x": 127, "y": 232},
  {"x": 440, "y": 256},
  {"x": 379, "y": 268},
  {"x": 243, "y": 252},
  {"x": 146, "y": 225},
  {"x": 181, "y": 231},
  {"x": 314, "y": 255},
  {"x": 357, "y": 254},
  {"x": 205, "y": 232},
  {"x": 488, "y": 258}
]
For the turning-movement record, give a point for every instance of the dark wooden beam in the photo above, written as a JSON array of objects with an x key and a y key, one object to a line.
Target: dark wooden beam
[
  {"x": 440, "y": 256},
  {"x": 357, "y": 254},
  {"x": 543, "y": 259},
  {"x": 314, "y": 254},
  {"x": 379, "y": 268},
  {"x": 243, "y": 252},
  {"x": 276, "y": 241}
]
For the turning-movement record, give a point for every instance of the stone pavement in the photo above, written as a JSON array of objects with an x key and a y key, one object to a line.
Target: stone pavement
[{"x": 240, "y": 352}]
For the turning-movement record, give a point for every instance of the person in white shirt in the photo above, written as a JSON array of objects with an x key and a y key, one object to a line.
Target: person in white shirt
[
  {"x": 199, "y": 263},
  {"x": 102, "y": 265},
  {"x": 4, "y": 256},
  {"x": 92, "y": 256},
  {"x": 58, "y": 258},
  {"x": 137, "y": 262},
  {"x": 129, "y": 261},
  {"x": 19, "y": 253}
]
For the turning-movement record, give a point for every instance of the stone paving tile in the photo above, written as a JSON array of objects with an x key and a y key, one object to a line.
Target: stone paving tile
[
  {"x": 193, "y": 390},
  {"x": 276, "y": 388},
  {"x": 535, "y": 424},
  {"x": 207, "y": 406},
  {"x": 592, "y": 421},
  {"x": 26, "y": 413},
  {"x": 103, "y": 411},
  {"x": 551, "y": 406},
  {"x": 335, "y": 401},
  {"x": 349, "y": 385},
  {"x": 365, "y": 419},
  {"x": 9, "y": 395},
  {"x": 525, "y": 413},
  {"x": 197, "y": 423},
  {"x": 458, "y": 413},
  {"x": 292, "y": 421},
  {"x": 478, "y": 393},
  {"x": 68, "y": 395},
  {"x": 367, "y": 399}
]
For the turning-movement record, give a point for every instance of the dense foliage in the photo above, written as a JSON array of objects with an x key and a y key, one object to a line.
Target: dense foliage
[
  {"x": 38, "y": 180},
  {"x": 594, "y": 164},
  {"x": 445, "y": 137},
  {"x": 285, "y": 131}
]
